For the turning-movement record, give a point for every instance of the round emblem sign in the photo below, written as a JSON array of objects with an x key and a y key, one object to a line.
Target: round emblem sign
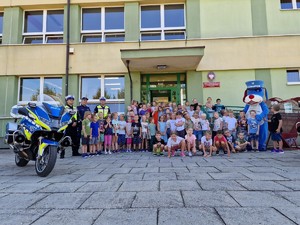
[{"x": 211, "y": 76}]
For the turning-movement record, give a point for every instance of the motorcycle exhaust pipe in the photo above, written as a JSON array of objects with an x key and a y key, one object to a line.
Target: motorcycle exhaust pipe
[{"x": 66, "y": 141}]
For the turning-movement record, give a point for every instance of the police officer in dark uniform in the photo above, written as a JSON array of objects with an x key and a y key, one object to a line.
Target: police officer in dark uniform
[
  {"x": 81, "y": 109},
  {"x": 72, "y": 129},
  {"x": 102, "y": 107}
]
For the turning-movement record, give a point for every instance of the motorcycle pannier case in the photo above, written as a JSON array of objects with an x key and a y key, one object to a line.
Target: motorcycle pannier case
[{"x": 10, "y": 129}]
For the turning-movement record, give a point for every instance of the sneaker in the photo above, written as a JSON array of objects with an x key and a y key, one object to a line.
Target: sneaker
[
  {"x": 182, "y": 154},
  {"x": 109, "y": 152},
  {"x": 274, "y": 150},
  {"x": 280, "y": 151},
  {"x": 173, "y": 154},
  {"x": 105, "y": 152},
  {"x": 218, "y": 152},
  {"x": 246, "y": 150},
  {"x": 190, "y": 154},
  {"x": 161, "y": 153}
]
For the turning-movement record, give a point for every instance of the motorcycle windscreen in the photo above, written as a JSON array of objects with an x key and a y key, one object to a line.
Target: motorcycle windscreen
[
  {"x": 54, "y": 111},
  {"x": 66, "y": 118}
]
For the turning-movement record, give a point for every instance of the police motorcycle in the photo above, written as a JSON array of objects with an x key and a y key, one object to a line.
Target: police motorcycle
[{"x": 39, "y": 134}]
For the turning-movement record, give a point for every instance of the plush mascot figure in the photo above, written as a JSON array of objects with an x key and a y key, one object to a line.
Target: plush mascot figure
[{"x": 254, "y": 99}]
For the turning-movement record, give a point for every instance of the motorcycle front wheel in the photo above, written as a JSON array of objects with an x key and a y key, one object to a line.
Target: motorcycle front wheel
[
  {"x": 21, "y": 162},
  {"x": 45, "y": 164}
]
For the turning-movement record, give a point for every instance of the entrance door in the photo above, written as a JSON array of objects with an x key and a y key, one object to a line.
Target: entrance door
[{"x": 163, "y": 88}]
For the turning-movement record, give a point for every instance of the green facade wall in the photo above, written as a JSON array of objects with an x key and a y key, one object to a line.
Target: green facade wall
[
  {"x": 265, "y": 75},
  {"x": 73, "y": 87},
  {"x": 75, "y": 23},
  {"x": 225, "y": 18},
  {"x": 193, "y": 19},
  {"x": 194, "y": 85},
  {"x": 12, "y": 25},
  {"x": 282, "y": 21},
  {"x": 136, "y": 86},
  {"x": 132, "y": 26},
  {"x": 232, "y": 87},
  {"x": 259, "y": 17},
  {"x": 280, "y": 88}
]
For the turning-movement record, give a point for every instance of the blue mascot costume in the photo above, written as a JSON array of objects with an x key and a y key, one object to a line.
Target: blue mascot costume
[{"x": 253, "y": 97}]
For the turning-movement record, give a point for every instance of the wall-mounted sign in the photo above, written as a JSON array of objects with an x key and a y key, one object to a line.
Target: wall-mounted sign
[
  {"x": 211, "y": 84},
  {"x": 211, "y": 76}
]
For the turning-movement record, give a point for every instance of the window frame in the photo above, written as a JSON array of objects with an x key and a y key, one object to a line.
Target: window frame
[
  {"x": 102, "y": 86},
  {"x": 44, "y": 34},
  {"x": 42, "y": 80},
  {"x": 1, "y": 34},
  {"x": 294, "y": 5},
  {"x": 296, "y": 82},
  {"x": 162, "y": 29},
  {"x": 102, "y": 32}
]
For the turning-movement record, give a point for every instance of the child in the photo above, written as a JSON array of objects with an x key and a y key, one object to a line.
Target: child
[
  {"x": 136, "y": 131},
  {"x": 129, "y": 134},
  {"x": 121, "y": 133},
  {"x": 144, "y": 124},
  {"x": 108, "y": 133},
  {"x": 85, "y": 133},
  {"x": 242, "y": 123},
  {"x": 115, "y": 124},
  {"x": 101, "y": 126},
  {"x": 158, "y": 144},
  {"x": 275, "y": 126},
  {"x": 171, "y": 125},
  {"x": 253, "y": 130},
  {"x": 179, "y": 123},
  {"x": 197, "y": 127},
  {"x": 190, "y": 139},
  {"x": 152, "y": 132},
  {"x": 204, "y": 124},
  {"x": 174, "y": 143},
  {"x": 162, "y": 128},
  {"x": 225, "y": 118},
  {"x": 218, "y": 124},
  {"x": 188, "y": 122},
  {"x": 207, "y": 144},
  {"x": 191, "y": 110},
  {"x": 241, "y": 143},
  {"x": 230, "y": 140},
  {"x": 94, "y": 135},
  {"x": 218, "y": 107},
  {"x": 220, "y": 142},
  {"x": 231, "y": 123}
]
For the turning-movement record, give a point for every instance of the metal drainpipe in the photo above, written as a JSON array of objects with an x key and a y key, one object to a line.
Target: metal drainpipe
[
  {"x": 68, "y": 47},
  {"x": 129, "y": 73}
]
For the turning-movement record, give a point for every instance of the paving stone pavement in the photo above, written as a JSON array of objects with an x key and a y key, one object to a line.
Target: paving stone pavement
[{"x": 141, "y": 189}]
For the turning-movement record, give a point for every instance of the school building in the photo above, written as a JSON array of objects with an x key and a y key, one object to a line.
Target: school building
[{"x": 171, "y": 50}]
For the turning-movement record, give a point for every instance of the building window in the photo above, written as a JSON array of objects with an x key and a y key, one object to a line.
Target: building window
[
  {"x": 47, "y": 89},
  {"x": 111, "y": 87},
  {"x": 293, "y": 77},
  {"x": 163, "y": 22},
  {"x": 103, "y": 24},
  {"x": 290, "y": 4},
  {"x": 1, "y": 26},
  {"x": 45, "y": 26}
]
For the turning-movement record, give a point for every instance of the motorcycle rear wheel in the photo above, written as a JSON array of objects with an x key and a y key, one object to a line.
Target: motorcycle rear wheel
[
  {"x": 45, "y": 164},
  {"x": 21, "y": 162}
]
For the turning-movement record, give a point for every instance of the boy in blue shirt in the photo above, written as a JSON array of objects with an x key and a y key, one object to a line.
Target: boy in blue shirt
[
  {"x": 253, "y": 130},
  {"x": 95, "y": 129}
]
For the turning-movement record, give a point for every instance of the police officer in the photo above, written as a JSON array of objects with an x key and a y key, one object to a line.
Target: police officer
[
  {"x": 81, "y": 109},
  {"x": 72, "y": 129},
  {"x": 102, "y": 107}
]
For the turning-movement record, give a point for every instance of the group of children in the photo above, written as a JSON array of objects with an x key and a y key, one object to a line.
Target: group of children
[{"x": 172, "y": 131}]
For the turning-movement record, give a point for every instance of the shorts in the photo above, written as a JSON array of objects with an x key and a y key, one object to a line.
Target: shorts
[
  {"x": 136, "y": 140},
  {"x": 175, "y": 147},
  {"x": 181, "y": 133},
  {"x": 253, "y": 137},
  {"x": 129, "y": 141},
  {"x": 121, "y": 139},
  {"x": 101, "y": 138},
  {"x": 276, "y": 136},
  {"x": 85, "y": 141},
  {"x": 107, "y": 140},
  {"x": 94, "y": 141}
]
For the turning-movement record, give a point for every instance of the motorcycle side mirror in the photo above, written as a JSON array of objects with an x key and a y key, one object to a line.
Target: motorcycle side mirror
[
  {"x": 23, "y": 111},
  {"x": 31, "y": 104}
]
